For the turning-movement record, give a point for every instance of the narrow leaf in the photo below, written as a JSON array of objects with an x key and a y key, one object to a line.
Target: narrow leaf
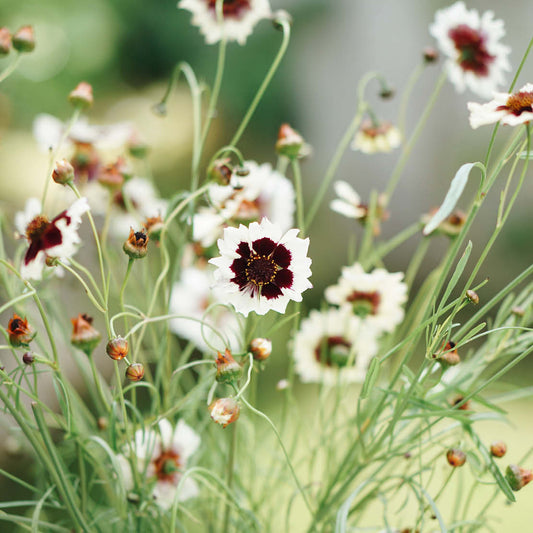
[{"x": 371, "y": 377}]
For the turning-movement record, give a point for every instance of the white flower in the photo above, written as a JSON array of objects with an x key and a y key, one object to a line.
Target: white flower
[
  {"x": 191, "y": 296},
  {"x": 373, "y": 138},
  {"x": 57, "y": 238},
  {"x": 349, "y": 202},
  {"x": 264, "y": 192},
  {"x": 238, "y": 18},
  {"x": 476, "y": 58},
  {"x": 260, "y": 269},
  {"x": 377, "y": 298},
  {"x": 333, "y": 345},
  {"x": 23, "y": 218},
  {"x": 162, "y": 457},
  {"x": 511, "y": 109}
]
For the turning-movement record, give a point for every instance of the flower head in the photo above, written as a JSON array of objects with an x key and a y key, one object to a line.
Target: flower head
[
  {"x": 84, "y": 335},
  {"x": 224, "y": 411},
  {"x": 136, "y": 246},
  {"x": 471, "y": 42},
  {"x": 333, "y": 345},
  {"x": 511, "y": 109},
  {"x": 56, "y": 238},
  {"x": 260, "y": 269},
  {"x": 372, "y": 138},
  {"x": 162, "y": 457},
  {"x": 238, "y": 18},
  {"x": 19, "y": 331}
]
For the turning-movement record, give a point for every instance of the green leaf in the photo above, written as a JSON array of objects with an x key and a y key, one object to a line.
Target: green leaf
[{"x": 371, "y": 377}]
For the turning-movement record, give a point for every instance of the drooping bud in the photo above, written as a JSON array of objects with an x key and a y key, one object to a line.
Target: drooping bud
[
  {"x": 498, "y": 449},
  {"x": 117, "y": 348},
  {"x": 290, "y": 142},
  {"x": 82, "y": 95},
  {"x": 455, "y": 457},
  {"x": 63, "y": 172},
  {"x": 224, "y": 411},
  {"x": 386, "y": 92},
  {"x": 221, "y": 171},
  {"x": 5, "y": 41},
  {"x": 448, "y": 354},
  {"x": 242, "y": 172},
  {"x": 472, "y": 296},
  {"x": 23, "y": 39},
  {"x": 228, "y": 370},
  {"x": 84, "y": 335},
  {"x": 430, "y": 55},
  {"x": 280, "y": 16},
  {"x": 518, "y": 477},
  {"x": 137, "y": 244},
  {"x": 28, "y": 358},
  {"x": 261, "y": 348},
  {"x": 19, "y": 331},
  {"x": 154, "y": 226},
  {"x": 135, "y": 372}
]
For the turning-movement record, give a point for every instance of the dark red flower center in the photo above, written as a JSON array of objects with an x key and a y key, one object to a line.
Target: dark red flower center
[
  {"x": 262, "y": 268},
  {"x": 364, "y": 303},
  {"x": 333, "y": 351},
  {"x": 167, "y": 466},
  {"x": 231, "y": 8},
  {"x": 473, "y": 53},
  {"x": 37, "y": 227},
  {"x": 518, "y": 103},
  {"x": 43, "y": 235}
]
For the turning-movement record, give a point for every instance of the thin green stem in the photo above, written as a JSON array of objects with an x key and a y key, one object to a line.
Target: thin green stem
[
  {"x": 299, "y": 195},
  {"x": 10, "y": 68},
  {"x": 229, "y": 475}
]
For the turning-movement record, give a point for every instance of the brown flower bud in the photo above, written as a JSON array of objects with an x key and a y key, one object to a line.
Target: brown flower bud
[
  {"x": 456, "y": 400},
  {"x": 28, "y": 358},
  {"x": 472, "y": 296},
  {"x": 455, "y": 457},
  {"x": 224, "y": 411},
  {"x": 261, "y": 348},
  {"x": 84, "y": 335},
  {"x": 154, "y": 226},
  {"x": 112, "y": 176},
  {"x": 221, "y": 171},
  {"x": 23, "y": 39},
  {"x": 137, "y": 244},
  {"x": 117, "y": 348},
  {"x": 518, "y": 311},
  {"x": 448, "y": 354},
  {"x": 63, "y": 172},
  {"x": 102, "y": 423},
  {"x": 518, "y": 477},
  {"x": 5, "y": 41},
  {"x": 386, "y": 92},
  {"x": 228, "y": 370},
  {"x": 82, "y": 95},
  {"x": 430, "y": 54},
  {"x": 498, "y": 449},
  {"x": 290, "y": 142},
  {"x": 135, "y": 372},
  {"x": 19, "y": 331}
]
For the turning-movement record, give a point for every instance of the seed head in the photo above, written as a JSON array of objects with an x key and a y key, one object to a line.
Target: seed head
[
  {"x": 19, "y": 331},
  {"x": 137, "y": 244}
]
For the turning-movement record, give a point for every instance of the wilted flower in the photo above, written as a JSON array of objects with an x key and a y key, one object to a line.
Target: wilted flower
[
  {"x": 136, "y": 246},
  {"x": 19, "y": 331},
  {"x": 260, "y": 269},
  {"x": 511, "y": 109},
  {"x": 23, "y": 39},
  {"x": 456, "y": 457},
  {"x": 476, "y": 58},
  {"x": 238, "y": 18},
  {"x": 112, "y": 176},
  {"x": 518, "y": 477},
  {"x": 224, "y": 411},
  {"x": 82, "y": 95},
  {"x": 261, "y": 348},
  {"x": 372, "y": 137},
  {"x": 84, "y": 335}
]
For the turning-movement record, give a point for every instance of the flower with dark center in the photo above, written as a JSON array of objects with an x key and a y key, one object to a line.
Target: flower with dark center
[
  {"x": 471, "y": 42},
  {"x": 238, "y": 18},
  {"x": 511, "y": 109},
  {"x": 136, "y": 246},
  {"x": 260, "y": 269},
  {"x": 19, "y": 331}
]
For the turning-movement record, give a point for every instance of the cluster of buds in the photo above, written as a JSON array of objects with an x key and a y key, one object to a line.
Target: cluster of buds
[
  {"x": 136, "y": 247},
  {"x": 22, "y": 40},
  {"x": 19, "y": 331},
  {"x": 84, "y": 335},
  {"x": 455, "y": 457},
  {"x": 224, "y": 411}
]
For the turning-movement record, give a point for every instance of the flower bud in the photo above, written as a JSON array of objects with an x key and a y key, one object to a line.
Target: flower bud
[
  {"x": 137, "y": 244},
  {"x": 135, "y": 372},
  {"x": 518, "y": 477},
  {"x": 221, "y": 171},
  {"x": 289, "y": 143},
  {"x": 19, "y": 331},
  {"x": 23, "y": 39},
  {"x": 449, "y": 354},
  {"x": 518, "y": 311},
  {"x": 102, "y": 423},
  {"x": 117, "y": 348},
  {"x": 5, "y": 41},
  {"x": 280, "y": 16},
  {"x": 261, "y": 348},
  {"x": 84, "y": 335},
  {"x": 82, "y": 95},
  {"x": 430, "y": 55},
  {"x": 472, "y": 296},
  {"x": 456, "y": 400},
  {"x": 28, "y": 358},
  {"x": 228, "y": 370},
  {"x": 455, "y": 457},
  {"x": 112, "y": 176},
  {"x": 224, "y": 411},
  {"x": 63, "y": 172},
  {"x": 154, "y": 226},
  {"x": 386, "y": 92},
  {"x": 498, "y": 449}
]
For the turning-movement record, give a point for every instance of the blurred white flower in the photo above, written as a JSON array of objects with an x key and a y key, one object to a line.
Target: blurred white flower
[
  {"x": 374, "y": 138},
  {"x": 348, "y": 202}
]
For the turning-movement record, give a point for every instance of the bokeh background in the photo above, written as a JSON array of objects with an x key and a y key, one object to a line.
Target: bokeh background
[{"x": 127, "y": 48}]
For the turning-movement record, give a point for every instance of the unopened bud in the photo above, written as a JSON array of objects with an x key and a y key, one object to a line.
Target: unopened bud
[
  {"x": 228, "y": 370},
  {"x": 449, "y": 354},
  {"x": 261, "y": 348},
  {"x": 430, "y": 55},
  {"x": 63, "y": 172},
  {"x": 82, "y": 95},
  {"x": 154, "y": 226},
  {"x": 455, "y": 457},
  {"x": 28, "y": 358},
  {"x": 280, "y": 16},
  {"x": 135, "y": 372},
  {"x": 137, "y": 244},
  {"x": 242, "y": 172},
  {"x": 5, "y": 41},
  {"x": 459, "y": 400},
  {"x": 23, "y": 39},
  {"x": 221, "y": 171},
  {"x": 386, "y": 92},
  {"x": 224, "y": 411},
  {"x": 518, "y": 477},
  {"x": 102, "y": 423},
  {"x": 290, "y": 142},
  {"x": 112, "y": 176},
  {"x": 19, "y": 331},
  {"x": 117, "y": 348},
  {"x": 498, "y": 449},
  {"x": 472, "y": 296},
  {"x": 518, "y": 311},
  {"x": 84, "y": 335}
]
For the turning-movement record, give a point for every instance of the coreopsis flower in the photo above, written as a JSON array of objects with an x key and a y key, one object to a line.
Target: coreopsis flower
[
  {"x": 136, "y": 246},
  {"x": 19, "y": 331},
  {"x": 161, "y": 457},
  {"x": 333, "y": 345},
  {"x": 471, "y": 42},
  {"x": 376, "y": 297},
  {"x": 372, "y": 138},
  {"x": 56, "y": 238},
  {"x": 511, "y": 109},
  {"x": 238, "y": 18},
  {"x": 84, "y": 335},
  {"x": 263, "y": 192},
  {"x": 348, "y": 202},
  {"x": 224, "y": 411},
  {"x": 260, "y": 268}
]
